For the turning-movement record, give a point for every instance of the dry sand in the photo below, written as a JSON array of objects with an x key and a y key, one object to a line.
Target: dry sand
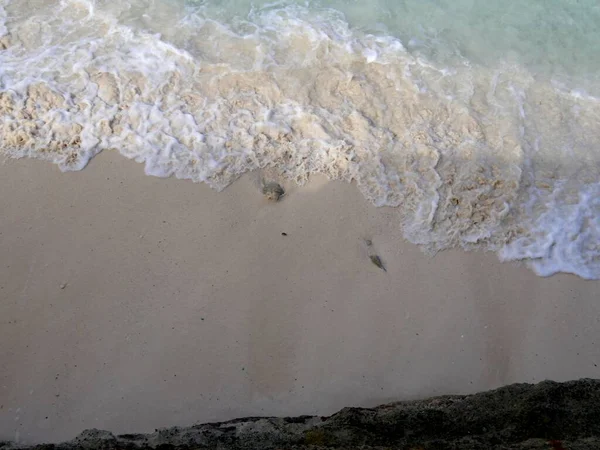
[{"x": 129, "y": 303}]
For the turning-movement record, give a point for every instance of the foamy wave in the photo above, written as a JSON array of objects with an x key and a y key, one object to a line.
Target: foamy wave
[{"x": 474, "y": 157}]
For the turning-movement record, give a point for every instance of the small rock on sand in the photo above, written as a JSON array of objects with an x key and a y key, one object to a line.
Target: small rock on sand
[{"x": 273, "y": 191}]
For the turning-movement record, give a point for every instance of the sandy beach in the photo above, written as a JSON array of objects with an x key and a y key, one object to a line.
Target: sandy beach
[{"x": 130, "y": 303}]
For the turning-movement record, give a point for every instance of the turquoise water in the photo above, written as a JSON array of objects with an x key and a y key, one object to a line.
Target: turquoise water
[
  {"x": 549, "y": 37},
  {"x": 479, "y": 120}
]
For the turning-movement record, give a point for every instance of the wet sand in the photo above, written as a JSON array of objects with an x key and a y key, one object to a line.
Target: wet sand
[{"x": 130, "y": 303}]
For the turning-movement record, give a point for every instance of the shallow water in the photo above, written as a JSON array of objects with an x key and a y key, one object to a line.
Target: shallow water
[{"x": 479, "y": 120}]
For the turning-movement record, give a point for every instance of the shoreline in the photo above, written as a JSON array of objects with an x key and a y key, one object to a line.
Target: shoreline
[{"x": 132, "y": 302}]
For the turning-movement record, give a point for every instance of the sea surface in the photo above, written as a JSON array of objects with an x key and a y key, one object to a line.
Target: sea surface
[{"x": 478, "y": 119}]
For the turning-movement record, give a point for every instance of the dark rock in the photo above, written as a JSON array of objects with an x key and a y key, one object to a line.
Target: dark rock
[{"x": 545, "y": 416}]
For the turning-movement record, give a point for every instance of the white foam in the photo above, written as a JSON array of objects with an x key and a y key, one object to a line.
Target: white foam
[
  {"x": 3, "y": 29},
  {"x": 472, "y": 156},
  {"x": 564, "y": 238}
]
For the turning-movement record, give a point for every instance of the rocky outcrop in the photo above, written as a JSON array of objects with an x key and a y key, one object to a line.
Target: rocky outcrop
[{"x": 548, "y": 416}]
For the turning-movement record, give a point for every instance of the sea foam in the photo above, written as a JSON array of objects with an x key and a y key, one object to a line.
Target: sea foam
[{"x": 480, "y": 157}]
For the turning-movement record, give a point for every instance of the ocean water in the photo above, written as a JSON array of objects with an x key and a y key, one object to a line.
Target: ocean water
[{"x": 478, "y": 119}]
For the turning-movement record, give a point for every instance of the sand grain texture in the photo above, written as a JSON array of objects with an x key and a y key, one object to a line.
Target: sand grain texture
[{"x": 129, "y": 303}]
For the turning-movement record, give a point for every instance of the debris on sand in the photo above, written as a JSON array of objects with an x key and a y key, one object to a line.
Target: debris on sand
[
  {"x": 273, "y": 191},
  {"x": 377, "y": 261}
]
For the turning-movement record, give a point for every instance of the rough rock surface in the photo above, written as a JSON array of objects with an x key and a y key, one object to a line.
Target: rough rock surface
[{"x": 548, "y": 415}]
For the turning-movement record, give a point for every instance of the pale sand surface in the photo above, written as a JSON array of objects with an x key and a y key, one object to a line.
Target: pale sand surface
[{"x": 185, "y": 305}]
